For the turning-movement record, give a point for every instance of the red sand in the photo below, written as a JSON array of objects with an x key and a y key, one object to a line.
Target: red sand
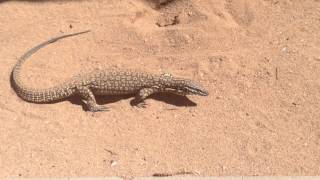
[{"x": 260, "y": 61}]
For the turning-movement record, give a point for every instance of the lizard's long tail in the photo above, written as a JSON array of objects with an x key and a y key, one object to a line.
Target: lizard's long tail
[{"x": 40, "y": 95}]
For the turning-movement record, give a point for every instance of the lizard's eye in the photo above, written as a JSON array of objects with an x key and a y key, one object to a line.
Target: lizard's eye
[{"x": 167, "y": 75}]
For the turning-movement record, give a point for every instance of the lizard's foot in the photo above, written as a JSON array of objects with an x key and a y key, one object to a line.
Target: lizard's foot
[
  {"x": 98, "y": 108},
  {"x": 141, "y": 105},
  {"x": 143, "y": 94},
  {"x": 138, "y": 104}
]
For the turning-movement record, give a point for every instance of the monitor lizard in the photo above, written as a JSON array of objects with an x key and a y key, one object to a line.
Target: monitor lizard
[{"x": 102, "y": 82}]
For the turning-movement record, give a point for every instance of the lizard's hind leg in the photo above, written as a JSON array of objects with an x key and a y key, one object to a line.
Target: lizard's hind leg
[{"x": 90, "y": 100}]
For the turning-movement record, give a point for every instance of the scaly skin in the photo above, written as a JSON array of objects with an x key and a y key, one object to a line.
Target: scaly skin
[{"x": 104, "y": 82}]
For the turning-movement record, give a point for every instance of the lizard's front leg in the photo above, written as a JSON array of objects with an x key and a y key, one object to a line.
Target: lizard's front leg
[
  {"x": 142, "y": 95},
  {"x": 90, "y": 100}
]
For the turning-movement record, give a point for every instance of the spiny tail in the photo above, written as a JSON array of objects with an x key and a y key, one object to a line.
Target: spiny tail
[{"x": 41, "y": 95}]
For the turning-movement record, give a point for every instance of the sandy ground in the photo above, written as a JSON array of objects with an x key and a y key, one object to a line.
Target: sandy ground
[{"x": 260, "y": 61}]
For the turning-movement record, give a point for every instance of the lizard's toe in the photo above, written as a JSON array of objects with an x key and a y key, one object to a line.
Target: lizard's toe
[
  {"x": 141, "y": 105},
  {"x": 99, "y": 108}
]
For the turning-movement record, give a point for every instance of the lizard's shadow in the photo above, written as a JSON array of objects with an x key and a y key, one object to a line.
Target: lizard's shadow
[{"x": 172, "y": 99}]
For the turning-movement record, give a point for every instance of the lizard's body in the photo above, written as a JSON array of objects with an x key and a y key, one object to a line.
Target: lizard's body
[{"x": 102, "y": 82}]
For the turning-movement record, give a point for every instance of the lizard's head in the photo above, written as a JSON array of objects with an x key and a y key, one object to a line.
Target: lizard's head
[{"x": 181, "y": 86}]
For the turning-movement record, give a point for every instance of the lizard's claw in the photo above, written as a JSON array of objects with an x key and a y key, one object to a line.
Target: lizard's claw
[
  {"x": 99, "y": 108},
  {"x": 138, "y": 104},
  {"x": 142, "y": 104}
]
